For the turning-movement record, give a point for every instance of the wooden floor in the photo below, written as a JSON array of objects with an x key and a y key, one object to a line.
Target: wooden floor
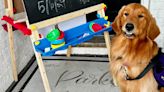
[{"x": 74, "y": 76}]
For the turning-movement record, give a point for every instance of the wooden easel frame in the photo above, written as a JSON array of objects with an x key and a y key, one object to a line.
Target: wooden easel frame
[
  {"x": 35, "y": 36},
  {"x": 9, "y": 12}
]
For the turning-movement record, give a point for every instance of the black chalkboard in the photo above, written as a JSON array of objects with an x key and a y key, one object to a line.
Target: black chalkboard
[{"x": 40, "y": 10}]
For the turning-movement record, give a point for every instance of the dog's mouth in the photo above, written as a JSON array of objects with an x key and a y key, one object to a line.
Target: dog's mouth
[{"x": 129, "y": 35}]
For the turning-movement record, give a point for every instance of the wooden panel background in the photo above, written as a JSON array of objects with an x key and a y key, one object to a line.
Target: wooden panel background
[{"x": 18, "y": 5}]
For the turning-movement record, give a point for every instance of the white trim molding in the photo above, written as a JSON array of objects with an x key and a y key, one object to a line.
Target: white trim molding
[{"x": 146, "y": 3}]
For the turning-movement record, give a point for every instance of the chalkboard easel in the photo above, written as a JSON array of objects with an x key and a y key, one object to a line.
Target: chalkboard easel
[
  {"x": 58, "y": 19},
  {"x": 51, "y": 20}
]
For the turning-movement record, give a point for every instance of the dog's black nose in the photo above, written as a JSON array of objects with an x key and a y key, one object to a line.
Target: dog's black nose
[{"x": 129, "y": 27}]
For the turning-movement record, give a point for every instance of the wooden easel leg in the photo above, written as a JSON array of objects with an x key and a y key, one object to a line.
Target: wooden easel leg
[
  {"x": 9, "y": 12},
  {"x": 69, "y": 51},
  {"x": 11, "y": 45},
  {"x": 43, "y": 72},
  {"x": 106, "y": 34},
  {"x": 34, "y": 37},
  {"x": 108, "y": 44}
]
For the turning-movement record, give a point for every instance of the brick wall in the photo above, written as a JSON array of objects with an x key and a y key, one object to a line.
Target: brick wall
[{"x": 23, "y": 51}]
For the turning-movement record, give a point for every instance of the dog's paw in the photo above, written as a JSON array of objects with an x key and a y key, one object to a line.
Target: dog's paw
[
  {"x": 124, "y": 73},
  {"x": 114, "y": 83}
]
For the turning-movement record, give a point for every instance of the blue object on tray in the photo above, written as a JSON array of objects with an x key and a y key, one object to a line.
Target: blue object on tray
[{"x": 74, "y": 36}]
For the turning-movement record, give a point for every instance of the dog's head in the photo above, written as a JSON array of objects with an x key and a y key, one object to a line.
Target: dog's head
[{"x": 134, "y": 20}]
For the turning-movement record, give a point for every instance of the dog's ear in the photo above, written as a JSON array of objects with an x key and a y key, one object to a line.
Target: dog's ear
[
  {"x": 153, "y": 30},
  {"x": 116, "y": 25}
]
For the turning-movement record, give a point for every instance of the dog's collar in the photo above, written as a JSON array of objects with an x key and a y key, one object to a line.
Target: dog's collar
[{"x": 148, "y": 67}]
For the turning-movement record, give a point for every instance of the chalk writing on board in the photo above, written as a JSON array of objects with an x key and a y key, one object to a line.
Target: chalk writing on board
[
  {"x": 41, "y": 10},
  {"x": 46, "y": 6},
  {"x": 84, "y": 1}
]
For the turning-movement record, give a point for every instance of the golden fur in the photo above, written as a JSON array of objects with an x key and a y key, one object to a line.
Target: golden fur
[{"x": 129, "y": 56}]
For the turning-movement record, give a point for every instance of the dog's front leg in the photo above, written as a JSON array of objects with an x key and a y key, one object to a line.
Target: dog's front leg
[{"x": 114, "y": 81}]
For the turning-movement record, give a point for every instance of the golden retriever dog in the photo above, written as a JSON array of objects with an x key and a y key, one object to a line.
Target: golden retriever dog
[{"x": 132, "y": 48}]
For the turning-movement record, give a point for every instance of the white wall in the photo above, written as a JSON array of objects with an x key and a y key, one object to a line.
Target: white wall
[
  {"x": 23, "y": 51},
  {"x": 157, "y": 10}
]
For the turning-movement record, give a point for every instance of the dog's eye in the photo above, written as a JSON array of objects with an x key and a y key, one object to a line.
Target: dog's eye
[
  {"x": 126, "y": 14},
  {"x": 140, "y": 16}
]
